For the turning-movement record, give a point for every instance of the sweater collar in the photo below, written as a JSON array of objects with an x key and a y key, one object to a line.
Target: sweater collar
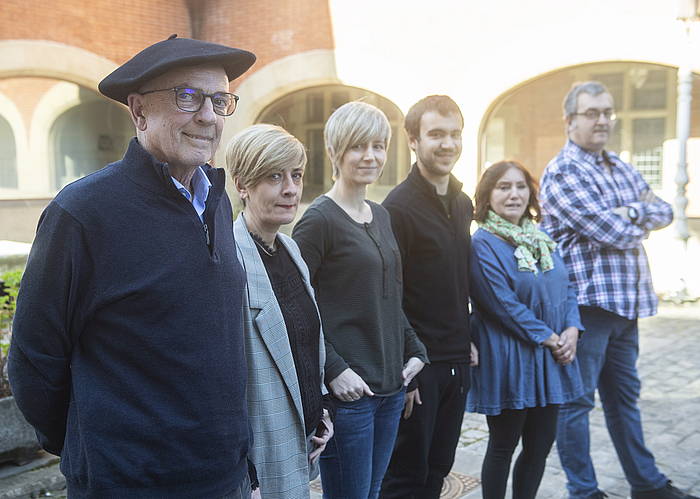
[
  {"x": 145, "y": 170},
  {"x": 454, "y": 186}
]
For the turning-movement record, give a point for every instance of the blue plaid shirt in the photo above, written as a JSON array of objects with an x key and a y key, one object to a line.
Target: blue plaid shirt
[{"x": 602, "y": 250}]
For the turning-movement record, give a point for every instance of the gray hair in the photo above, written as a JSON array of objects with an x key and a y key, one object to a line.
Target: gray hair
[{"x": 592, "y": 88}]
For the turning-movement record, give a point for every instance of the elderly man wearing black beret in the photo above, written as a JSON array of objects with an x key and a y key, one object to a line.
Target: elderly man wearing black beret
[{"x": 127, "y": 353}]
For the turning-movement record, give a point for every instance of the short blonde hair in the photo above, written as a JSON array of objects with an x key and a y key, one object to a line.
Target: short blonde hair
[
  {"x": 354, "y": 123},
  {"x": 258, "y": 150}
]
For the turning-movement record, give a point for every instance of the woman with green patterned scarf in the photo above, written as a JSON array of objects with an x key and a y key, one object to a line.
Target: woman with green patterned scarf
[{"x": 525, "y": 323}]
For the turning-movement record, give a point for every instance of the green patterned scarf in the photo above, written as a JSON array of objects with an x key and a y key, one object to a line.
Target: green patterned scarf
[{"x": 531, "y": 244}]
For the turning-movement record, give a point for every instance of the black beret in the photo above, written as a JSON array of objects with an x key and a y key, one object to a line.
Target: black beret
[{"x": 172, "y": 53}]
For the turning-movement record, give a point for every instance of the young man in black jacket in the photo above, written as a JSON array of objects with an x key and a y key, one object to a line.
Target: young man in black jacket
[{"x": 430, "y": 217}]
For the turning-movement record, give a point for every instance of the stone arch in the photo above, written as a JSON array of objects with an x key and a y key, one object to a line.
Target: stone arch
[
  {"x": 264, "y": 86},
  {"x": 83, "y": 138},
  {"x": 59, "y": 101},
  {"x": 528, "y": 115},
  {"x": 72, "y": 68},
  {"x": 53, "y": 60}
]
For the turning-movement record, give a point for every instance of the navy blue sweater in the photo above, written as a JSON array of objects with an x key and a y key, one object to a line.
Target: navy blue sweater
[{"x": 127, "y": 351}]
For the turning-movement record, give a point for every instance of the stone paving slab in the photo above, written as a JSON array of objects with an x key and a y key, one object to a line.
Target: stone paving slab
[
  {"x": 669, "y": 366},
  {"x": 45, "y": 481}
]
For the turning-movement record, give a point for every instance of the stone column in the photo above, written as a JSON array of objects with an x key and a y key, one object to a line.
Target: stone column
[{"x": 685, "y": 88}]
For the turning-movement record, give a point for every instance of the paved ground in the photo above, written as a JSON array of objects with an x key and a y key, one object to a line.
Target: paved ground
[
  {"x": 670, "y": 370},
  {"x": 669, "y": 366}
]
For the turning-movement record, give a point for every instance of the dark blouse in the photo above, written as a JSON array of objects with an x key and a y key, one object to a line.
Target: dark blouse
[{"x": 302, "y": 324}]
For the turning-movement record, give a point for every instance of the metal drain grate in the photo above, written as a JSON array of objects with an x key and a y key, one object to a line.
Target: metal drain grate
[{"x": 456, "y": 485}]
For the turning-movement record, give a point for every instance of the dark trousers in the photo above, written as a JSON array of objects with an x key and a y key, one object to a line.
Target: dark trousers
[
  {"x": 426, "y": 443},
  {"x": 537, "y": 427}
]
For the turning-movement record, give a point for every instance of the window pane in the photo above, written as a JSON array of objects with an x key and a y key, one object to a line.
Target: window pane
[
  {"x": 88, "y": 137},
  {"x": 615, "y": 141},
  {"x": 647, "y": 148},
  {"x": 314, "y": 108},
  {"x": 649, "y": 89},
  {"x": 315, "y": 171},
  {"x": 615, "y": 83}
]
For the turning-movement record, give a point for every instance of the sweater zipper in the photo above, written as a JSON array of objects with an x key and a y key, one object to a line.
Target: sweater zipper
[
  {"x": 206, "y": 233},
  {"x": 385, "y": 285}
]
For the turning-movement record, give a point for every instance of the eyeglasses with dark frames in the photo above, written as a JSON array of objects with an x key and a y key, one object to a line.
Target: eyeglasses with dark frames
[
  {"x": 594, "y": 114},
  {"x": 191, "y": 100}
]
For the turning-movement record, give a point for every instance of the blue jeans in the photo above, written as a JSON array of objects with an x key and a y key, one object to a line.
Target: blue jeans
[
  {"x": 356, "y": 458},
  {"x": 607, "y": 356}
]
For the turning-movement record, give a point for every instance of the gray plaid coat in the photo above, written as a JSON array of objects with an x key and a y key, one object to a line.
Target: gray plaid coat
[{"x": 280, "y": 448}]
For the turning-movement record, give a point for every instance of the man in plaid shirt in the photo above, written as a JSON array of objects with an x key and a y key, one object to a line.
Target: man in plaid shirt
[{"x": 599, "y": 209}]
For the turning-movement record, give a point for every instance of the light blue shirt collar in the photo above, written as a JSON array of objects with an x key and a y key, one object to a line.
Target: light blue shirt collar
[{"x": 201, "y": 186}]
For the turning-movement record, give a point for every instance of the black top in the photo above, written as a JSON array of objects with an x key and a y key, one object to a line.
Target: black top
[
  {"x": 302, "y": 324},
  {"x": 127, "y": 352},
  {"x": 435, "y": 248},
  {"x": 355, "y": 269}
]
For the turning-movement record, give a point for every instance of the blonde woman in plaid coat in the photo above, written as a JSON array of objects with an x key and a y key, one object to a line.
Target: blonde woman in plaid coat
[{"x": 283, "y": 337}]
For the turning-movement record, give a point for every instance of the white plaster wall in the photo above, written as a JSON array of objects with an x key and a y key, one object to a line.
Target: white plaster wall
[{"x": 476, "y": 50}]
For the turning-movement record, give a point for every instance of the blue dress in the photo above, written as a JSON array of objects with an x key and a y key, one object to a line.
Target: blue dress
[{"x": 514, "y": 312}]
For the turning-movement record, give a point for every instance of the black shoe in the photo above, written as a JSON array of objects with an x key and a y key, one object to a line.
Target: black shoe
[
  {"x": 668, "y": 491},
  {"x": 598, "y": 495}
]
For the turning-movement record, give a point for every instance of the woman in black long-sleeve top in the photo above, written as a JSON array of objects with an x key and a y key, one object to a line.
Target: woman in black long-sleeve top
[{"x": 372, "y": 352}]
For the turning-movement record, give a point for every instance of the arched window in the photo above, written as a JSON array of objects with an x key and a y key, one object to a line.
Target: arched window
[
  {"x": 304, "y": 113},
  {"x": 87, "y": 137},
  {"x": 526, "y": 123},
  {"x": 8, "y": 156}
]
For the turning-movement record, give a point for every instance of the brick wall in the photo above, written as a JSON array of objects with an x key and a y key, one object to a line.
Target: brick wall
[
  {"x": 114, "y": 29},
  {"x": 117, "y": 29},
  {"x": 272, "y": 29}
]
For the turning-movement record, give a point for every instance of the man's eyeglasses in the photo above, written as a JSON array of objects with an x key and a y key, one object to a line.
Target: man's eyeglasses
[
  {"x": 191, "y": 100},
  {"x": 594, "y": 114}
]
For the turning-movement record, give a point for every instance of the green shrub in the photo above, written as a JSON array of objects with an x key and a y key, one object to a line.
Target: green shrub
[{"x": 8, "y": 302}]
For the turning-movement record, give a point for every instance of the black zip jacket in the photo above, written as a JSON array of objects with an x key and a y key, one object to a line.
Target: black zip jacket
[{"x": 435, "y": 248}]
